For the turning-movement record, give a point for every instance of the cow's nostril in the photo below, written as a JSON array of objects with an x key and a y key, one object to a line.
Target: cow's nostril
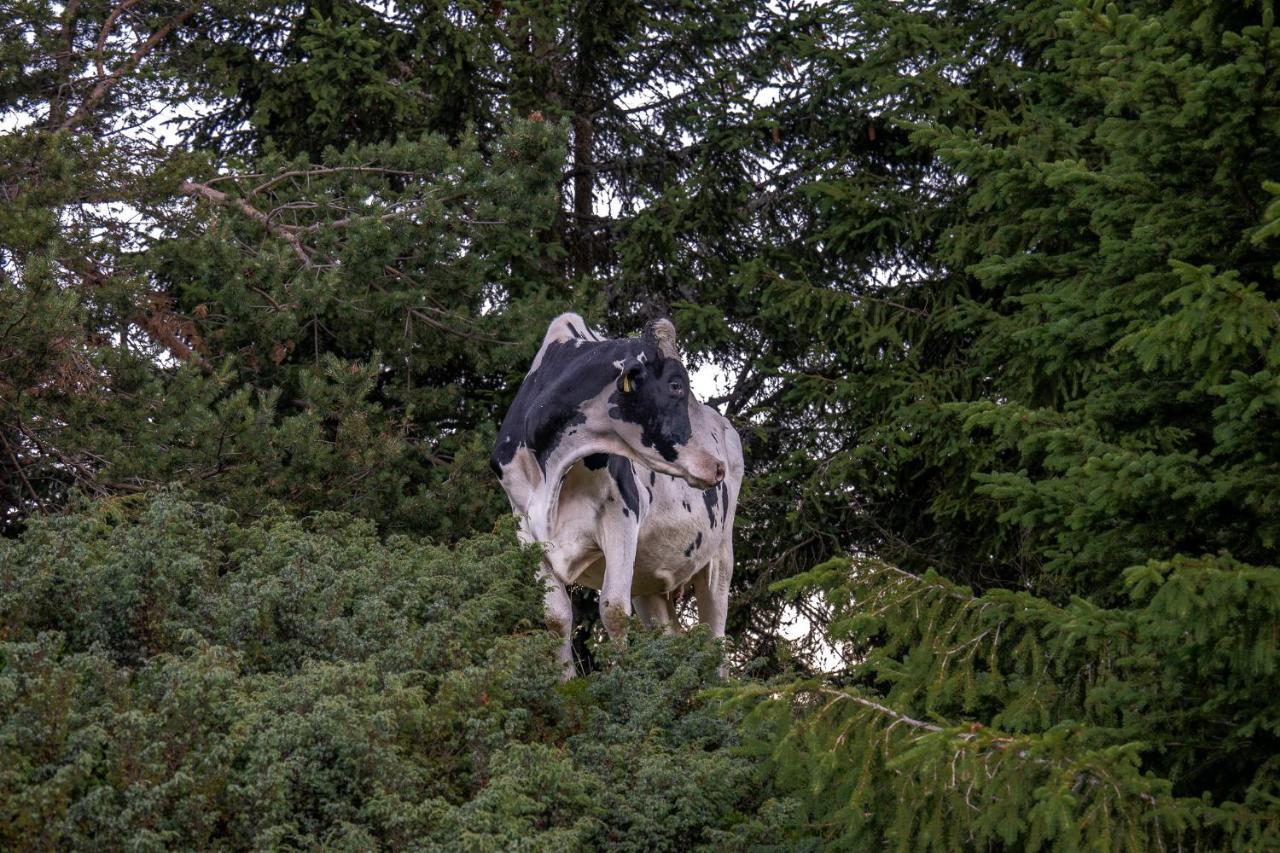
[{"x": 719, "y": 472}]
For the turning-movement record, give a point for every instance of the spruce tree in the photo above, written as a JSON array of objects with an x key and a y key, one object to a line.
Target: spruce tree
[{"x": 1045, "y": 426}]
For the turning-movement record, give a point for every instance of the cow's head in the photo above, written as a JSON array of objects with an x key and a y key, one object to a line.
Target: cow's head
[{"x": 656, "y": 414}]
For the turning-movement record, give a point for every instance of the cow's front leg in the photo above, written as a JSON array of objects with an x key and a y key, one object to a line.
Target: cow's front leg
[
  {"x": 558, "y": 612},
  {"x": 711, "y": 586},
  {"x": 619, "y": 547}
]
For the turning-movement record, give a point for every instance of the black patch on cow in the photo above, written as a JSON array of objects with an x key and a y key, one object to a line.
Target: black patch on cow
[
  {"x": 689, "y": 550},
  {"x": 624, "y": 474},
  {"x": 574, "y": 331},
  {"x": 697, "y": 543},
  {"x": 686, "y": 506},
  {"x": 709, "y": 498},
  {"x": 650, "y": 491},
  {"x": 609, "y": 498},
  {"x": 661, "y": 412},
  {"x": 653, "y": 477},
  {"x": 596, "y": 461},
  {"x": 550, "y": 399},
  {"x": 551, "y": 440},
  {"x": 724, "y": 500}
]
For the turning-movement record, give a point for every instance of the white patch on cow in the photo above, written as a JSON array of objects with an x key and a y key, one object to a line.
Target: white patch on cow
[{"x": 559, "y": 332}]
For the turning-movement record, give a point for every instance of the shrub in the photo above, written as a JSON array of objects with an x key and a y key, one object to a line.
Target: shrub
[{"x": 172, "y": 679}]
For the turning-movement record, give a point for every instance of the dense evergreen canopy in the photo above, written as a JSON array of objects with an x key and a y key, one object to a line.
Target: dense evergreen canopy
[{"x": 994, "y": 287}]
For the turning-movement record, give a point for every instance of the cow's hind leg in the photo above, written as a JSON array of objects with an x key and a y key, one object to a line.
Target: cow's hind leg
[
  {"x": 656, "y": 610},
  {"x": 558, "y": 611},
  {"x": 711, "y": 586}
]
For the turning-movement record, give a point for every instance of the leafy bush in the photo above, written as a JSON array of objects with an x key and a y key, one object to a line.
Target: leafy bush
[{"x": 169, "y": 678}]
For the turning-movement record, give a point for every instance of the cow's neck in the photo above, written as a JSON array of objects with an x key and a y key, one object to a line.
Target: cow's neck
[{"x": 545, "y": 500}]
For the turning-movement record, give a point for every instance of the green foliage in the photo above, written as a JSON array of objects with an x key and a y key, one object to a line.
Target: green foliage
[
  {"x": 1056, "y": 409},
  {"x": 1041, "y": 393},
  {"x": 335, "y": 335},
  {"x": 997, "y": 290},
  {"x": 169, "y": 677},
  {"x": 1004, "y": 719}
]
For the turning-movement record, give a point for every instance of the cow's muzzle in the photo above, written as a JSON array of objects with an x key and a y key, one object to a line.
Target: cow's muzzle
[{"x": 706, "y": 472}]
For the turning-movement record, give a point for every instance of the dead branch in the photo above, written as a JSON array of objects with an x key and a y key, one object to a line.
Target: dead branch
[
  {"x": 348, "y": 221},
  {"x": 176, "y": 334},
  {"x": 81, "y": 472},
  {"x": 310, "y": 173},
  {"x": 418, "y": 314},
  {"x": 17, "y": 466}
]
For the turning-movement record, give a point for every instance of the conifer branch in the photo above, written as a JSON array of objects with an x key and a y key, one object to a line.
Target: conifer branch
[
  {"x": 319, "y": 171},
  {"x": 108, "y": 83},
  {"x": 417, "y": 313},
  {"x": 17, "y": 467},
  {"x": 348, "y": 221},
  {"x": 840, "y": 695},
  {"x": 1000, "y": 742},
  {"x": 62, "y": 61},
  {"x": 218, "y": 197},
  {"x": 106, "y": 31}
]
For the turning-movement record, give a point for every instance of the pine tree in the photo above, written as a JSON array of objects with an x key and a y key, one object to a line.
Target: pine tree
[
  {"x": 334, "y": 333},
  {"x": 80, "y": 324},
  {"x": 667, "y": 189}
]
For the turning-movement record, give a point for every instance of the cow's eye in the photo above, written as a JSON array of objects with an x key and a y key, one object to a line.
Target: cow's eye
[{"x": 677, "y": 388}]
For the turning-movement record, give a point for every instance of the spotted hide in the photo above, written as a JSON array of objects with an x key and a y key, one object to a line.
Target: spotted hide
[{"x": 628, "y": 481}]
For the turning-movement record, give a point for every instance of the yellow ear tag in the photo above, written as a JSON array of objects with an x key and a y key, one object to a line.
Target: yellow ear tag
[{"x": 626, "y": 384}]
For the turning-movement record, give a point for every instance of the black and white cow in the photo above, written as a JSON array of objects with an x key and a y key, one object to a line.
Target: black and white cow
[{"x": 628, "y": 481}]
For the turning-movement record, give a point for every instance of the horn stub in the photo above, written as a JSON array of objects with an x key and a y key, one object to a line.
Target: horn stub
[{"x": 662, "y": 333}]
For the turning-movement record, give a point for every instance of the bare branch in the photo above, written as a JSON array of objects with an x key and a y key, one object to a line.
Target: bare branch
[
  {"x": 17, "y": 466},
  {"x": 311, "y": 173},
  {"x": 418, "y": 314},
  {"x": 347, "y": 221},
  {"x": 106, "y": 31},
  {"x": 109, "y": 82}
]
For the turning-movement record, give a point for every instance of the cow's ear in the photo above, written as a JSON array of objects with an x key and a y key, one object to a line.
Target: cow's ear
[{"x": 632, "y": 375}]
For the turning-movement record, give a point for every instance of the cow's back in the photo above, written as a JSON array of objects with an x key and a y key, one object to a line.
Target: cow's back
[{"x": 572, "y": 365}]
